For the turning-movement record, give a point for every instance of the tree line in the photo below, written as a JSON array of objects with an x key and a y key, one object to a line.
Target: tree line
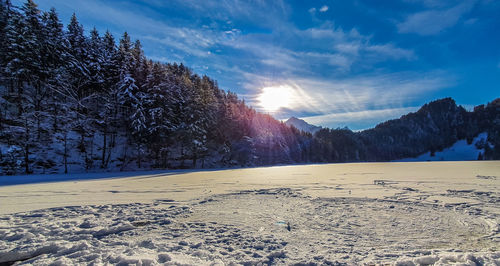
[{"x": 94, "y": 102}]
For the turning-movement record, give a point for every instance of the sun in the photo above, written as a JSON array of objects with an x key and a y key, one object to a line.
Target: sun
[{"x": 273, "y": 98}]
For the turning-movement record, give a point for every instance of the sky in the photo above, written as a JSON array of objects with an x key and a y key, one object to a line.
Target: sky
[{"x": 332, "y": 63}]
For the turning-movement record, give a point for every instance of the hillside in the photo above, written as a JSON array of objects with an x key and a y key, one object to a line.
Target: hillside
[
  {"x": 459, "y": 151},
  {"x": 434, "y": 127}
]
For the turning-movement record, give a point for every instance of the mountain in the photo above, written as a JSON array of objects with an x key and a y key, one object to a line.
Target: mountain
[{"x": 302, "y": 125}]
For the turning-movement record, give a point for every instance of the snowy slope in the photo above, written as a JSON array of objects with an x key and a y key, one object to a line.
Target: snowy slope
[{"x": 460, "y": 151}]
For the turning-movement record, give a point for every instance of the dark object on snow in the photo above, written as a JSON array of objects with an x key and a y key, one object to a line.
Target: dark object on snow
[{"x": 288, "y": 227}]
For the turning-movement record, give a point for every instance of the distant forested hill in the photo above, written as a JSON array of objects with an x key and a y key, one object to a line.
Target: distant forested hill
[
  {"x": 73, "y": 102},
  {"x": 433, "y": 127}
]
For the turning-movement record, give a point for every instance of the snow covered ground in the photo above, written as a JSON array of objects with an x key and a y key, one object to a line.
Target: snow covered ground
[
  {"x": 460, "y": 151},
  {"x": 401, "y": 213}
]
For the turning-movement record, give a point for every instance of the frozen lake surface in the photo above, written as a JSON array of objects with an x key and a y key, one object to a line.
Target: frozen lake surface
[{"x": 364, "y": 213}]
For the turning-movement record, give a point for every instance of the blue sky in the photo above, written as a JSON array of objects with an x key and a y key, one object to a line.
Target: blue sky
[{"x": 348, "y": 63}]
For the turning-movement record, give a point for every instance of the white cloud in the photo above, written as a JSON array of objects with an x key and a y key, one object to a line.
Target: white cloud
[
  {"x": 348, "y": 48},
  {"x": 391, "y": 51},
  {"x": 322, "y": 9},
  {"x": 322, "y": 32},
  {"x": 434, "y": 21}
]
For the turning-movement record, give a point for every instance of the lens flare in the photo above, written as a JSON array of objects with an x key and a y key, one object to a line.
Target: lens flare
[{"x": 273, "y": 98}]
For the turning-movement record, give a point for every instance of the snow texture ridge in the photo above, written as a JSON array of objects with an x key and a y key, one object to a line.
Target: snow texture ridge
[{"x": 253, "y": 227}]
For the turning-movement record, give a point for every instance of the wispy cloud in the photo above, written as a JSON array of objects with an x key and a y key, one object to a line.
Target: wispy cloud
[
  {"x": 433, "y": 3},
  {"x": 227, "y": 10},
  {"x": 323, "y": 46},
  {"x": 389, "y": 50},
  {"x": 356, "y": 94},
  {"x": 326, "y": 46},
  {"x": 188, "y": 45},
  {"x": 435, "y": 20}
]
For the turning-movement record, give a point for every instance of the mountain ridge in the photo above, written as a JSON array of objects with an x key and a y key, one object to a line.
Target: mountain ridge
[{"x": 302, "y": 125}]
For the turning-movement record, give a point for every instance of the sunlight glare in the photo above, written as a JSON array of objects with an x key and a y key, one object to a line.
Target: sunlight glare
[{"x": 275, "y": 97}]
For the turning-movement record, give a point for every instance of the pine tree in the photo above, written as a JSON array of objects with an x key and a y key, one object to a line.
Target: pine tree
[
  {"x": 140, "y": 66},
  {"x": 78, "y": 59},
  {"x": 81, "y": 92},
  {"x": 97, "y": 78},
  {"x": 95, "y": 62},
  {"x": 126, "y": 84},
  {"x": 107, "y": 122},
  {"x": 14, "y": 56},
  {"x": 5, "y": 14},
  {"x": 163, "y": 97},
  {"x": 53, "y": 64}
]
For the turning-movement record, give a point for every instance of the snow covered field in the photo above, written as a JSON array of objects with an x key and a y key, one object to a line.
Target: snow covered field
[{"x": 368, "y": 213}]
